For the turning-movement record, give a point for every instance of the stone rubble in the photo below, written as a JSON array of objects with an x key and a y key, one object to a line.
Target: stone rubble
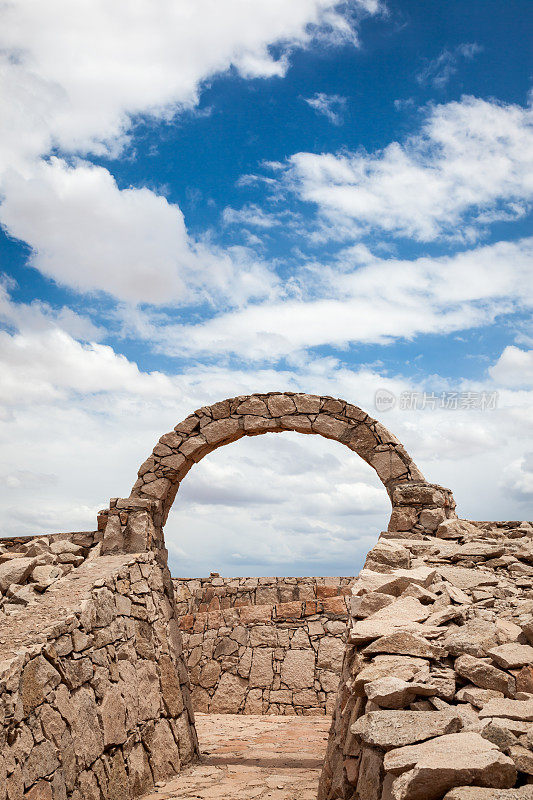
[
  {"x": 436, "y": 693},
  {"x": 29, "y": 566}
]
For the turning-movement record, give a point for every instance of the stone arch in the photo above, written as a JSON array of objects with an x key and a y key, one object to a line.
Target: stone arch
[{"x": 139, "y": 519}]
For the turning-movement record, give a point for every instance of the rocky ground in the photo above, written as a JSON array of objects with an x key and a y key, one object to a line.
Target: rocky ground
[{"x": 259, "y": 757}]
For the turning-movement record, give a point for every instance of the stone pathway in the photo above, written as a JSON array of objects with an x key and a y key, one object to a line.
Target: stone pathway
[{"x": 252, "y": 758}]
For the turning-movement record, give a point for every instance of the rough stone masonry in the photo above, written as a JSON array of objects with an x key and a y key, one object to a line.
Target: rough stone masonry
[{"x": 436, "y": 688}]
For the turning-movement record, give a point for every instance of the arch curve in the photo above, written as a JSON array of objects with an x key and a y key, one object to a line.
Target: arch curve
[{"x": 227, "y": 421}]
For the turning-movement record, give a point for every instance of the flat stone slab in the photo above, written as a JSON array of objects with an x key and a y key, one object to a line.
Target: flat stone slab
[
  {"x": 428, "y": 770},
  {"x": 389, "y": 729}
]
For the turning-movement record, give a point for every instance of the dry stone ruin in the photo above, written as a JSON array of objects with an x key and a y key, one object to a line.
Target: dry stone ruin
[{"x": 425, "y": 659}]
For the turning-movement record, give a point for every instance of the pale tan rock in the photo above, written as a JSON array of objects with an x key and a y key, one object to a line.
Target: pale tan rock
[
  {"x": 522, "y": 757},
  {"x": 330, "y": 653},
  {"x": 44, "y": 576},
  {"x": 478, "y": 793},
  {"x": 163, "y": 751},
  {"x": 512, "y": 709},
  {"x": 383, "y": 666},
  {"x": 222, "y": 430},
  {"x": 475, "y": 637},
  {"x": 279, "y": 405},
  {"x": 512, "y": 655},
  {"x": 157, "y": 489},
  {"x": 261, "y": 672},
  {"x": 433, "y": 767},
  {"x": 388, "y": 729},
  {"x": 386, "y": 554},
  {"x": 298, "y": 669},
  {"x": 389, "y": 692},
  {"x": 330, "y": 427},
  {"x": 39, "y": 679},
  {"x": 365, "y": 605},
  {"x": 16, "y": 570},
  {"x": 307, "y": 403},
  {"x": 229, "y": 695},
  {"x": 476, "y": 696},
  {"x": 404, "y": 642},
  {"x": 403, "y": 614},
  {"x": 483, "y": 675},
  {"x": 465, "y": 578},
  {"x": 112, "y": 712},
  {"x": 253, "y": 405}
]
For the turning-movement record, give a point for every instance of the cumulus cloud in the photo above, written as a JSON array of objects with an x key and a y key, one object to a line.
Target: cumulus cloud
[
  {"x": 82, "y": 418},
  {"x": 88, "y": 234},
  {"x": 365, "y": 299},
  {"x": 74, "y": 78},
  {"x": 470, "y": 158},
  {"x": 514, "y": 367},
  {"x": 74, "y": 75},
  {"x": 332, "y": 106}
]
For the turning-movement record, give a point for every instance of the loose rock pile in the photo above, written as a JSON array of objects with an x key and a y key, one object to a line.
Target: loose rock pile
[
  {"x": 30, "y": 566},
  {"x": 436, "y": 694}
]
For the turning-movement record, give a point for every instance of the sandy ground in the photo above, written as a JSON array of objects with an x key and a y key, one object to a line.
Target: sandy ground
[{"x": 245, "y": 757}]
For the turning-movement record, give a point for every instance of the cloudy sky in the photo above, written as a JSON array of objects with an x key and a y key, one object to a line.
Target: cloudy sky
[{"x": 205, "y": 198}]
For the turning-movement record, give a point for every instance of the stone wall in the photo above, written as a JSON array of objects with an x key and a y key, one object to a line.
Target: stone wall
[
  {"x": 215, "y": 593},
  {"x": 94, "y": 697},
  {"x": 263, "y": 645},
  {"x": 436, "y": 693}
]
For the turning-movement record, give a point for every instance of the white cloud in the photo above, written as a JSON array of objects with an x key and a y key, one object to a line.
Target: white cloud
[
  {"x": 376, "y": 302},
  {"x": 518, "y": 478},
  {"x": 74, "y": 73},
  {"x": 332, "y": 106},
  {"x": 439, "y": 70},
  {"x": 514, "y": 367},
  {"x": 87, "y": 234},
  {"x": 470, "y": 157},
  {"x": 78, "y": 420}
]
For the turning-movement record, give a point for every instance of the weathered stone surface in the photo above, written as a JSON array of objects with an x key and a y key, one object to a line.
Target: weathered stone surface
[
  {"x": 229, "y": 695},
  {"x": 433, "y": 767},
  {"x": 389, "y": 692},
  {"x": 513, "y": 709},
  {"x": 383, "y": 666},
  {"x": 483, "y": 675},
  {"x": 297, "y": 669},
  {"x": 16, "y": 570},
  {"x": 38, "y": 680},
  {"x": 473, "y": 638},
  {"x": 388, "y": 729},
  {"x": 403, "y": 643},
  {"x": 403, "y": 614},
  {"x": 477, "y": 793},
  {"x": 512, "y": 655}
]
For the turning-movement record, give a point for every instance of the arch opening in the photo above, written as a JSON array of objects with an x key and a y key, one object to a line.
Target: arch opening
[{"x": 136, "y": 523}]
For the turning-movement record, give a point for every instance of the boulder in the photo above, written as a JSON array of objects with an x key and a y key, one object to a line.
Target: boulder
[
  {"x": 16, "y": 570},
  {"x": 430, "y": 769},
  {"x": 483, "y": 675},
  {"x": 389, "y": 729},
  {"x": 512, "y": 655},
  {"x": 512, "y": 709}
]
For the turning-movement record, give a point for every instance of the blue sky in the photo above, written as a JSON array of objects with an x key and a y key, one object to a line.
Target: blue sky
[{"x": 231, "y": 196}]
